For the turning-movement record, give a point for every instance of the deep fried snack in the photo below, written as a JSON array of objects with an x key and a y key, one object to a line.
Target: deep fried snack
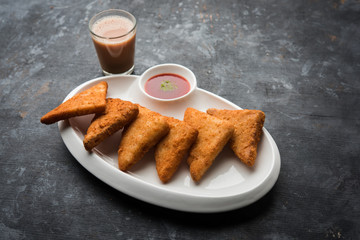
[
  {"x": 117, "y": 114},
  {"x": 214, "y": 133},
  {"x": 142, "y": 134},
  {"x": 171, "y": 150},
  {"x": 89, "y": 101},
  {"x": 248, "y": 130}
]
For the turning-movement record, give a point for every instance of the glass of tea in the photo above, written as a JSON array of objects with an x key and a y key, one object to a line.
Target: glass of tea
[{"x": 113, "y": 33}]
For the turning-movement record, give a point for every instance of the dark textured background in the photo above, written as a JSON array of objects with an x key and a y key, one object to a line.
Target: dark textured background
[{"x": 298, "y": 61}]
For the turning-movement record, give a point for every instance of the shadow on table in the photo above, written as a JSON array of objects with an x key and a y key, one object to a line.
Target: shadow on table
[{"x": 197, "y": 220}]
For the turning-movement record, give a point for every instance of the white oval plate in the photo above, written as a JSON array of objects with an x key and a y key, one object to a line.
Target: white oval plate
[{"x": 227, "y": 185}]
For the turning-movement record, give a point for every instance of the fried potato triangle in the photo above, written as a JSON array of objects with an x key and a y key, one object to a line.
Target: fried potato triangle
[
  {"x": 117, "y": 114},
  {"x": 171, "y": 150},
  {"x": 140, "y": 136},
  {"x": 248, "y": 130},
  {"x": 213, "y": 135},
  {"x": 89, "y": 101}
]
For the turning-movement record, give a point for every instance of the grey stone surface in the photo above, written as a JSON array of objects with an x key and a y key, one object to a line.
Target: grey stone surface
[{"x": 298, "y": 61}]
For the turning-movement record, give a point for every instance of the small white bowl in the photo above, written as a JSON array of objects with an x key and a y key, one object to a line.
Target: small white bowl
[{"x": 171, "y": 69}]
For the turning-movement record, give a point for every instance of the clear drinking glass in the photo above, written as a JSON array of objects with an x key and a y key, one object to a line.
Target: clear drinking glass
[{"x": 113, "y": 33}]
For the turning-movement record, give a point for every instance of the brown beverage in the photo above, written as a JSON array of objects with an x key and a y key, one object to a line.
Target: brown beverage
[{"x": 114, "y": 41}]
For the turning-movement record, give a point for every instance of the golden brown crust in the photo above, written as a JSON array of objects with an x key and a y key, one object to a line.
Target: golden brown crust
[
  {"x": 248, "y": 130},
  {"x": 171, "y": 150},
  {"x": 117, "y": 114},
  {"x": 213, "y": 135},
  {"x": 142, "y": 134},
  {"x": 89, "y": 101}
]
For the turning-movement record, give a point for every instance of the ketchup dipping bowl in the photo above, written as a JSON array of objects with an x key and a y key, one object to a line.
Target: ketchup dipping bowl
[{"x": 167, "y": 82}]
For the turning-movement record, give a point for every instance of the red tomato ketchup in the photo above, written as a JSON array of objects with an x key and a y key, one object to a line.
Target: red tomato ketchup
[{"x": 167, "y": 86}]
